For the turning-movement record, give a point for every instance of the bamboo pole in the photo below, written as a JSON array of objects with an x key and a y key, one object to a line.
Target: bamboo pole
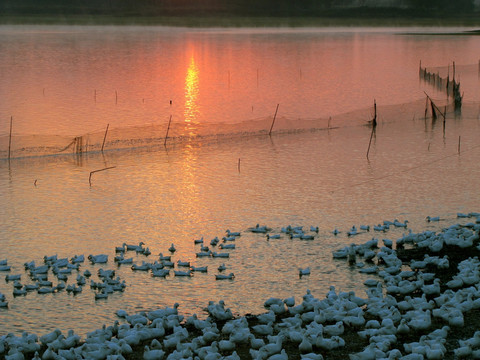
[
  {"x": 374, "y": 120},
  {"x": 374, "y": 126},
  {"x": 105, "y": 136},
  {"x": 80, "y": 144},
  {"x": 426, "y": 107},
  {"x": 10, "y": 137},
  {"x": 168, "y": 128},
  {"x": 454, "y": 72},
  {"x": 273, "y": 122},
  {"x": 435, "y": 107},
  {"x": 94, "y": 171},
  {"x": 370, "y": 142},
  {"x": 434, "y": 114}
]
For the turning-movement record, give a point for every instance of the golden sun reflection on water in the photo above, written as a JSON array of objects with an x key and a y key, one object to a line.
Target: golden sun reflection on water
[
  {"x": 191, "y": 111},
  {"x": 187, "y": 186}
]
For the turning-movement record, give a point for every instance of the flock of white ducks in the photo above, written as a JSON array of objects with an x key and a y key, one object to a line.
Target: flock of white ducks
[
  {"x": 403, "y": 299},
  {"x": 107, "y": 283}
]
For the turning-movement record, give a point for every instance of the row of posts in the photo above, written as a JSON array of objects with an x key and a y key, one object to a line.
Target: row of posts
[{"x": 450, "y": 86}]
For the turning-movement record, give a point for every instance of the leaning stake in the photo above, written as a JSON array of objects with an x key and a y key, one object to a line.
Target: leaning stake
[
  {"x": 94, "y": 171},
  {"x": 10, "y": 137},
  {"x": 370, "y": 142},
  {"x": 273, "y": 122},
  {"x": 105, "y": 136},
  {"x": 168, "y": 128}
]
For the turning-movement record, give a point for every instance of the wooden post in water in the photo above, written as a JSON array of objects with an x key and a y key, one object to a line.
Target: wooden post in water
[
  {"x": 95, "y": 95},
  {"x": 434, "y": 107},
  {"x": 374, "y": 126},
  {"x": 105, "y": 136},
  {"x": 273, "y": 122},
  {"x": 10, "y": 137},
  {"x": 78, "y": 144},
  {"x": 434, "y": 114},
  {"x": 444, "y": 119},
  {"x": 238, "y": 165},
  {"x": 426, "y": 107},
  {"x": 168, "y": 128},
  {"x": 444, "y": 124},
  {"x": 454, "y": 72},
  {"x": 459, "y": 138},
  {"x": 370, "y": 142}
]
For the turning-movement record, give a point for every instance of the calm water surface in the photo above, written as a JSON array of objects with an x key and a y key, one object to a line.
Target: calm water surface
[
  {"x": 74, "y": 80},
  {"x": 62, "y": 81}
]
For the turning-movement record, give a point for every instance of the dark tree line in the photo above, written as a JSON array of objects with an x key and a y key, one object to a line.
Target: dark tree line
[
  {"x": 444, "y": 6},
  {"x": 226, "y": 7}
]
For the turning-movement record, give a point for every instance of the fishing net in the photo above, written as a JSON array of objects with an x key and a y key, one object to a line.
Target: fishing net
[{"x": 178, "y": 131}]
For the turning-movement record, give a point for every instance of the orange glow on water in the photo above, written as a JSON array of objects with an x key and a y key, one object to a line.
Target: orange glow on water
[{"x": 191, "y": 111}]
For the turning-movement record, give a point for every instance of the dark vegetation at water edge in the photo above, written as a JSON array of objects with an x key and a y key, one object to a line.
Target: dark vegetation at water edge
[{"x": 242, "y": 12}]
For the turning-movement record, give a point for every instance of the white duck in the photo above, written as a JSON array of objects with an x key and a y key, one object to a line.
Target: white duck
[
  {"x": 263, "y": 329},
  {"x": 224, "y": 277},
  {"x": 152, "y": 354},
  {"x": 222, "y": 267},
  {"x": 303, "y": 272},
  {"x": 183, "y": 273}
]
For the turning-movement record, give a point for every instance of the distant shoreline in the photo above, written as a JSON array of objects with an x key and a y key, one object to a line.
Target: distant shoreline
[{"x": 237, "y": 21}]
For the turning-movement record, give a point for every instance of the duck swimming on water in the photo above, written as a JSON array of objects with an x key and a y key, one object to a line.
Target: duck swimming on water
[
  {"x": 303, "y": 272},
  {"x": 224, "y": 277}
]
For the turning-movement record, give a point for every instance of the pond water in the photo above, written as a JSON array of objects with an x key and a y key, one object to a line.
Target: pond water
[{"x": 220, "y": 170}]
